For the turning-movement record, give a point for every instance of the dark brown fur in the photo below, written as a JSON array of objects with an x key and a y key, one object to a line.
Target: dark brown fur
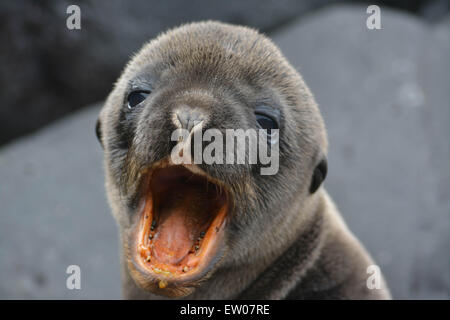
[{"x": 283, "y": 242}]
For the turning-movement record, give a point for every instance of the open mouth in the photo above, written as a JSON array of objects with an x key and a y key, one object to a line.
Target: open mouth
[{"x": 181, "y": 225}]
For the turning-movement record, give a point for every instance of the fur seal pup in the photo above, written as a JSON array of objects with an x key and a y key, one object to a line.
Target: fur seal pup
[{"x": 223, "y": 231}]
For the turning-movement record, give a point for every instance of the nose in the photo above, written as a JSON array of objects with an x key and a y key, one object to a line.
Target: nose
[{"x": 188, "y": 117}]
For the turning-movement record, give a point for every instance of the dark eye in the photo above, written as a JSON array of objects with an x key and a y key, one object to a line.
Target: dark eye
[
  {"x": 136, "y": 97},
  {"x": 266, "y": 122}
]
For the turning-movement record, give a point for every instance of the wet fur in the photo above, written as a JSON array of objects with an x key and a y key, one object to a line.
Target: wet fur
[{"x": 283, "y": 242}]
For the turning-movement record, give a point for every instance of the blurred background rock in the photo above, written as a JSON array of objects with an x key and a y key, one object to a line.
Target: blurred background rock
[
  {"x": 384, "y": 94},
  {"x": 49, "y": 71}
]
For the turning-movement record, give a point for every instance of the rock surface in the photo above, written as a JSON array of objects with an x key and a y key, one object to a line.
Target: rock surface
[
  {"x": 44, "y": 73},
  {"x": 49, "y": 71},
  {"x": 385, "y": 98}
]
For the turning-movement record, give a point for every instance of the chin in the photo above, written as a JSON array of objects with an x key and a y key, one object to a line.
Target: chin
[{"x": 177, "y": 239}]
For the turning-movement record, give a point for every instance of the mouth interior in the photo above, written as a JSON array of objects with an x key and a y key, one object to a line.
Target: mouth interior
[{"x": 183, "y": 215}]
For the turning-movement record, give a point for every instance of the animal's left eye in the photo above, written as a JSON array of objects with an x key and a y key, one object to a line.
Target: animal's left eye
[{"x": 266, "y": 122}]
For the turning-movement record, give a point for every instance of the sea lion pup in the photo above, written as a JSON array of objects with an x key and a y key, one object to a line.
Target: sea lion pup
[{"x": 223, "y": 231}]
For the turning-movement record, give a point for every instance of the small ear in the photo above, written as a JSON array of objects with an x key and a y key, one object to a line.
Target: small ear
[
  {"x": 320, "y": 172},
  {"x": 98, "y": 131}
]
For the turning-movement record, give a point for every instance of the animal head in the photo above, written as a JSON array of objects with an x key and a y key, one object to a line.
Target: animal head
[{"x": 180, "y": 222}]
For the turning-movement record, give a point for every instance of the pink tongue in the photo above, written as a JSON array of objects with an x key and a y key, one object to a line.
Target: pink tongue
[{"x": 173, "y": 239}]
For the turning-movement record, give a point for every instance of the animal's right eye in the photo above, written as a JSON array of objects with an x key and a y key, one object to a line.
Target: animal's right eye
[{"x": 136, "y": 97}]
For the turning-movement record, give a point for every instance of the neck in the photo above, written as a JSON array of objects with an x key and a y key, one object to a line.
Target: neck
[{"x": 257, "y": 275}]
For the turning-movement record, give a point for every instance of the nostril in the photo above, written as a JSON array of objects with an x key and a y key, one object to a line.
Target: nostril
[{"x": 188, "y": 118}]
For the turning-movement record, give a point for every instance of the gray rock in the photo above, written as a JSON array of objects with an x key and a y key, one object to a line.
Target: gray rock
[
  {"x": 54, "y": 214},
  {"x": 49, "y": 71},
  {"x": 384, "y": 95},
  {"x": 385, "y": 98}
]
